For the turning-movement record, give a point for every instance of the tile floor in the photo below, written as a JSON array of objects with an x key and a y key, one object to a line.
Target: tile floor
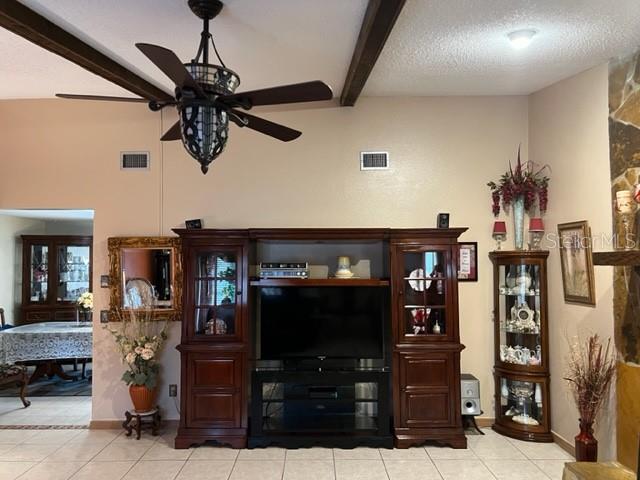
[
  {"x": 109, "y": 455},
  {"x": 46, "y": 411}
]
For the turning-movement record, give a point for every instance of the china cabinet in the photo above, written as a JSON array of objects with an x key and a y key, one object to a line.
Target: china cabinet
[
  {"x": 426, "y": 361},
  {"x": 56, "y": 270},
  {"x": 521, "y": 345}
]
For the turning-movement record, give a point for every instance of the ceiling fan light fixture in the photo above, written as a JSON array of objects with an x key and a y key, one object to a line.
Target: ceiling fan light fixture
[{"x": 521, "y": 38}]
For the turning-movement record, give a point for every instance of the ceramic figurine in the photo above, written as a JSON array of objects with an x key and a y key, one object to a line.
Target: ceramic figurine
[
  {"x": 538, "y": 395},
  {"x": 436, "y": 328},
  {"x": 504, "y": 391}
]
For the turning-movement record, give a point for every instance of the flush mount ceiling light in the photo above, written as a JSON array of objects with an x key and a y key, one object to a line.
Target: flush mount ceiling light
[
  {"x": 205, "y": 96},
  {"x": 521, "y": 38}
]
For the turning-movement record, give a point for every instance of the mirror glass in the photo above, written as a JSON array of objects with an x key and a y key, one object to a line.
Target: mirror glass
[
  {"x": 145, "y": 271},
  {"x": 147, "y": 274}
]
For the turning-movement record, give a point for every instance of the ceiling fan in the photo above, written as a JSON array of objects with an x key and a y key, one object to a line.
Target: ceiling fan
[{"x": 205, "y": 96}]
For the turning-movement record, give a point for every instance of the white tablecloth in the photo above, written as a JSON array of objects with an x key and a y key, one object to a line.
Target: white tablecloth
[{"x": 46, "y": 341}]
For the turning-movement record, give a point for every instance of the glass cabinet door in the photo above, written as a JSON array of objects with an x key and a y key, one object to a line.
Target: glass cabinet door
[
  {"x": 74, "y": 271},
  {"x": 519, "y": 309},
  {"x": 216, "y": 293},
  {"x": 39, "y": 273},
  {"x": 424, "y": 293},
  {"x": 521, "y": 403}
]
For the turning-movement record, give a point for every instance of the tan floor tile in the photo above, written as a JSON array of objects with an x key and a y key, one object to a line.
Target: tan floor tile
[
  {"x": 28, "y": 453},
  {"x": 515, "y": 470},
  {"x": 447, "y": 453},
  {"x": 103, "y": 471},
  {"x": 206, "y": 470},
  {"x": 155, "y": 470},
  {"x": 95, "y": 437},
  {"x": 360, "y": 470},
  {"x": 12, "y": 470},
  {"x": 52, "y": 436},
  {"x": 252, "y": 470},
  {"x": 74, "y": 453},
  {"x": 552, "y": 468},
  {"x": 359, "y": 453},
  {"x": 214, "y": 453},
  {"x": 13, "y": 437},
  {"x": 541, "y": 451},
  {"x": 463, "y": 470},
  {"x": 411, "y": 470},
  {"x": 121, "y": 452},
  {"x": 269, "y": 453},
  {"x": 53, "y": 471},
  {"x": 417, "y": 453},
  {"x": 309, "y": 469},
  {"x": 161, "y": 451},
  {"x": 314, "y": 453}
]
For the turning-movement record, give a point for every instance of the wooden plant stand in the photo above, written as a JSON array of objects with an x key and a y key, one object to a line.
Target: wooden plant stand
[{"x": 136, "y": 420}]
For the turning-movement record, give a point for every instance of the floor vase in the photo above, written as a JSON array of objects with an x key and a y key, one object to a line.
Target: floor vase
[{"x": 586, "y": 444}]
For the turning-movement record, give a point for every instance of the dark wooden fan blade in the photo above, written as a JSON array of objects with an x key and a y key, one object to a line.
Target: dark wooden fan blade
[
  {"x": 101, "y": 98},
  {"x": 171, "y": 66},
  {"x": 297, "y": 92},
  {"x": 173, "y": 133},
  {"x": 261, "y": 125}
]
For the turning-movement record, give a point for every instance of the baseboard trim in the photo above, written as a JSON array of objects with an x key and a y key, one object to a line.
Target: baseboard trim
[
  {"x": 564, "y": 444},
  {"x": 117, "y": 424},
  {"x": 485, "y": 421}
]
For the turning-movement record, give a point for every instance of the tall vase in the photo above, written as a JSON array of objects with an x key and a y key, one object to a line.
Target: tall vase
[
  {"x": 586, "y": 444},
  {"x": 518, "y": 222}
]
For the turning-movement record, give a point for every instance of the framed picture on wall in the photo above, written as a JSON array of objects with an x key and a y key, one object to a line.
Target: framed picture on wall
[
  {"x": 577, "y": 265},
  {"x": 468, "y": 261}
]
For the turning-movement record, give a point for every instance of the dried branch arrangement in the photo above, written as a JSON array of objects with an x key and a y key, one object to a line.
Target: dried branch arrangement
[{"x": 590, "y": 372}]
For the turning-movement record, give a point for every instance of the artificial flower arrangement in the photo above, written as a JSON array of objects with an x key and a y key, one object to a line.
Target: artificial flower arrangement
[
  {"x": 590, "y": 372},
  {"x": 139, "y": 337},
  {"x": 523, "y": 181},
  {"x": 85, "y": 301}
]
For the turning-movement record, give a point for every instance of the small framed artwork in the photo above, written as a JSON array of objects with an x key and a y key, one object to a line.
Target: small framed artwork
[
  {"x": 577, "y": 265},
  {"x": 468, "y": 261}
]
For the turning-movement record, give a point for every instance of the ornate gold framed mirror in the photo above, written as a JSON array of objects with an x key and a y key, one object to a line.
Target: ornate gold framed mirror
[{"x": 145, "y": 271}]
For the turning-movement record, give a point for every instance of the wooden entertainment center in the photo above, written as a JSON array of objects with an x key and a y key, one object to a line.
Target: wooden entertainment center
[{"x": 231, "y": 391}]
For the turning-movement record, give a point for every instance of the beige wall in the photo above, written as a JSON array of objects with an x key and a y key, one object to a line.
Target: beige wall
[
  {"x": 568, "y": 130},
  {"x": 443, "y": 151},
  {"x": 11, "y": 262}
]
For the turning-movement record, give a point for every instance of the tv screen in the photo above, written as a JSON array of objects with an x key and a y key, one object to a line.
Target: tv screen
[{"x": 334, "y": 322}]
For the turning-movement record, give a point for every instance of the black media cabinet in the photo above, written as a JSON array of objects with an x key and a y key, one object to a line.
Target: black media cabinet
[{"x": 332, "y": 408}]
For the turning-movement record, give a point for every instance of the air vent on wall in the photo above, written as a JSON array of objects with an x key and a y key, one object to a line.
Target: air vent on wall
[
  {"x": 134, "y": 160},
  {"x": 374, "y": 160}
]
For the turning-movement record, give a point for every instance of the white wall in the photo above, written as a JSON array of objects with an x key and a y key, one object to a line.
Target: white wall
[
  {"x": 443, "y": 151},
  {"x": 568, "y": 130}
]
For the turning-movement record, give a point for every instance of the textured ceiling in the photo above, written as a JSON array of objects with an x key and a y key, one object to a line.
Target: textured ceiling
[
  {"x": 438, "y": 47},
  {"x": 459, "y": 47},
  {"x": 268, "y": 42}
]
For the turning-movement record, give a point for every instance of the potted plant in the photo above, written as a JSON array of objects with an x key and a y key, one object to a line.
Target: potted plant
[
  {"x": 84, "y": 304},
  {"x": 139, "y": 337},
  {"x": 523, "y": 188},
  {"x": 590, "y": 372}
]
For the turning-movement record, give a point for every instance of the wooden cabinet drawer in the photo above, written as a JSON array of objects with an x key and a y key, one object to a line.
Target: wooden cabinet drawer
[
  {"x": 420, "y": 409},
  {"x": 215, "y": 409},
  {"x": 421, "y": 370},
  {"x": 427, "y": 389},
  {"x": 39, "y": 317},
  {"x": 218, "y": 372}
]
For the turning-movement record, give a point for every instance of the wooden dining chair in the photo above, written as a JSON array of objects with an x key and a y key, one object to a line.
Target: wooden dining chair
[{"x": 10, "y": 373}]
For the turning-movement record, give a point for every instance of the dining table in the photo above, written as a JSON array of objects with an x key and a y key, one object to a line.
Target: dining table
[{"x": 45, "y": 344}]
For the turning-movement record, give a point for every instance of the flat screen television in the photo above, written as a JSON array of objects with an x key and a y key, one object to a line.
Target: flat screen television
[{"x": 331, "y": 322}]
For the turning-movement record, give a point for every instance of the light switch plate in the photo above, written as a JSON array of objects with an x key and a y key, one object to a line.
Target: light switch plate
[
  {"x": 104, "y": 281},
  {"x": 104, "y": 316}
]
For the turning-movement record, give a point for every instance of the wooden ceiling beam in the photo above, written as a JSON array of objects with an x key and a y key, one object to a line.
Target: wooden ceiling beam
[
  {"x": 379, "y": 19},
  {"x": 32, "y": 26}
]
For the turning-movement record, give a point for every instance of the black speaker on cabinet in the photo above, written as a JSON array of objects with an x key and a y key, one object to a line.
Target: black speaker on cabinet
[{"x": 443, "y": 220}]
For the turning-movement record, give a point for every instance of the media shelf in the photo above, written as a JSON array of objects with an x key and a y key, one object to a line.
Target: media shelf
[
  {"x": 320, "y": 408},
  {"x": 320, "y": 282}
]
